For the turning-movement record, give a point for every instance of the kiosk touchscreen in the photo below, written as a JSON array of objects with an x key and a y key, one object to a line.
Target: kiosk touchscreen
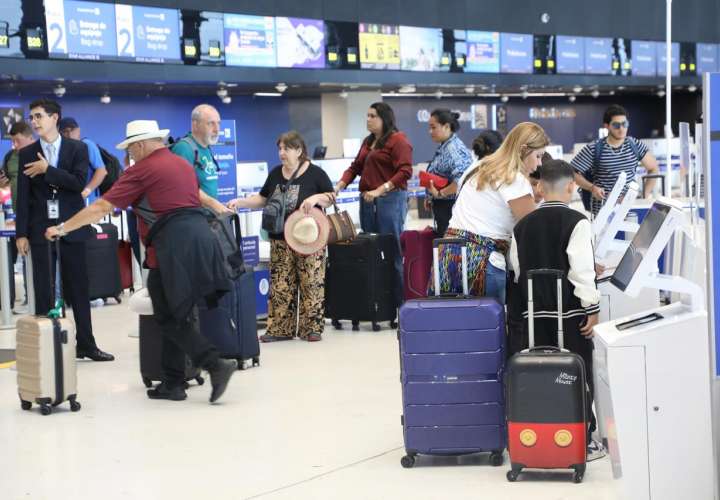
[{"x": 652, "y": 376}]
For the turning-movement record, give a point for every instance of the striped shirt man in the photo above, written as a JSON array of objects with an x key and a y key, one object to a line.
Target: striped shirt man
[{"x": 613, "y": 160}]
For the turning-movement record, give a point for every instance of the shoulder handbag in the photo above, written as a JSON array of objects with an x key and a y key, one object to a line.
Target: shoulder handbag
[
  {"x": 273, "y": 215},
  {"x": 342, "y": 227}
]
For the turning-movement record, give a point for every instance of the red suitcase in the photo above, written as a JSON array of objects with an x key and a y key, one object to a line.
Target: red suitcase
[
  {"x": 417, "y": 261},
  {"x": 125, "y": 257},
  {"x": 546, "y": 402}
]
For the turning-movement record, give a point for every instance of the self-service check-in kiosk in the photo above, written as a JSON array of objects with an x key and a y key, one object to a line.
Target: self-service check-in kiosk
[
  {"x": 609, "y": 249},
  {"x": 652, "y": 375}
]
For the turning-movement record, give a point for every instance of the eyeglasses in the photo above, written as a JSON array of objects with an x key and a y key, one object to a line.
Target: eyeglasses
[
  {"x": 37, "y": 116},
  {"x": 619, "y": 125}
]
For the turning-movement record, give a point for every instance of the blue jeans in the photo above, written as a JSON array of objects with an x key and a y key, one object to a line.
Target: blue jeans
[
  {"x": 495, "y": 281},
  {"x": 386, "y": 215}
]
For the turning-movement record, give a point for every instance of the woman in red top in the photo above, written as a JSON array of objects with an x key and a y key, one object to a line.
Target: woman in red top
[{"x": 384, "y": 164}]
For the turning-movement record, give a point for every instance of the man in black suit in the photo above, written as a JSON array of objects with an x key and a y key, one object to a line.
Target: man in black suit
[{"x": 54, "y": 172}]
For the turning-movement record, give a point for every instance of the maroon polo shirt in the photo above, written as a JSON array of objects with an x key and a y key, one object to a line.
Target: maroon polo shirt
[
  {"x": 158, "y": 184},
  {"x": 392, "y": 162}
]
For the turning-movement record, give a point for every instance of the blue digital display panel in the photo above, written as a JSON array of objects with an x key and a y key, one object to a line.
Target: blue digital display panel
[
  {"x": 516, "y": 53},
  {"x": 707, "y": 58},
  {"x": 598, "y": 56},
  {"x": 662, "y": 59},
  {"x": 250, "y": 41},
  {"x": 80, "y": 30},
  {"x": 643, "y": 58},
  {"x": 147, "y": 34},
  {"x": 483, "y": 52},
  {"x": 570, "y": 54}
]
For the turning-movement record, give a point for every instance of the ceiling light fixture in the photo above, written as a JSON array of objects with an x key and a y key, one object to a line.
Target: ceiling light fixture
[
  {"x": 222, "y": 92},
  {"x": 281, "y": 87},
  {"x": 59, "y": 91},
  {"x": 595, "y": 93},
  {"x": 227, "y": 99},
  {"x": 504, "y": 98},
  {"x": 343, "y": 94},
  {"x": 267, "y": 94},
  {"x": 572, "y": 98},
  {"x": 105, "y": 99},
  {"x": 692, "y": 88}
]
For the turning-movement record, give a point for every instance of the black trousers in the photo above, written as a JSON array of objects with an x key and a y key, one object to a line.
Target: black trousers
[
  {"x": 180, "y": 338},
  {"x": 442, "y": 212},
  {"x": 74, "y": 276},
  {"x": 546, "y": 335}
]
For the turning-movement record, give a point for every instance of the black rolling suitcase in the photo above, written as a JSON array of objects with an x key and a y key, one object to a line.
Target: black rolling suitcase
[
  {"x": 151, "y": 354},
  {"x": 546, "y": 389},
  {"x": 103, "y": 267},
  {"x": 360, "y": 280}
]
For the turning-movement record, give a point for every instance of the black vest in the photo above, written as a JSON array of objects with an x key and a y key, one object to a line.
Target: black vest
[{"x": 542, "y": 239}]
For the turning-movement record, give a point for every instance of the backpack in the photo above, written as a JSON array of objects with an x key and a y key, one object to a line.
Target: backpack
[
  {"x": 112, "y": 167},
  {"x": 586, "y": 196},
  {"x": 196, "y": 152}
]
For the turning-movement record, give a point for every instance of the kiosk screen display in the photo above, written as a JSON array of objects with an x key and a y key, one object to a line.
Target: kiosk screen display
[{"x": 639, "y": 246}]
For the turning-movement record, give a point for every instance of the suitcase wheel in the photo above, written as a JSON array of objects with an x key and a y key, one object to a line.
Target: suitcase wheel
[
  {"x": 355, "y": 325},
  {"x": 25, "y": 405},
  {"x": 496, "y": 458},
  {"x": 199, "y": 380},
  {"x": 512, "y": 475},
  {"x": 256, "y": 361},
  {"x": 579, "y": 473},
  {"x": 75, "y": 406},
  {"x": 336, "y": 324},
  {"x": 147, "y": 382},
  {"x": 393, "y": 324},
  {"x": 118, "y": 299},
  {"x": 45, "y": 409},
  {"x": 407, "y": 461},
  {"x": 375, "y": 327}
]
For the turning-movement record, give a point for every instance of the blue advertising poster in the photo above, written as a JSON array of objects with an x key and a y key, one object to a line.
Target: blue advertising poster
[
  {"x": 251, "y": 250},
  {"x": 598, "y": 56},
  {"x": 707, "y": 58},
  {"x": 516, "y": 53},
  {"x": 250, "y": 40},
  {"x": 482, "y": 52},
  {"x": 80, "y": 30},
  {"x": 662, "y": 59},
  {"x": 643, "y": 58},
  {"x": 570, "y": 54},
  {"x": 147, "y": 34},
  {"x": 225, "y": 152},
  {"x": 262, "y": 289}
]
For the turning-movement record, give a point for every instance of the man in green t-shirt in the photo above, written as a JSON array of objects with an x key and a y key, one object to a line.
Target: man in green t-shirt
[{"x": 195, "y": 147}]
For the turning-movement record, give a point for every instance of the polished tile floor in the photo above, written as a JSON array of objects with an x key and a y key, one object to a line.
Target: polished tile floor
[{"x": 315, "y": 421}]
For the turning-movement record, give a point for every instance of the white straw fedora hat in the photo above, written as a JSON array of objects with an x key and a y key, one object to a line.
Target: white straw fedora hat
[
  {"x": 305, "y": 233},
  {"x": 140, "y": 130}
]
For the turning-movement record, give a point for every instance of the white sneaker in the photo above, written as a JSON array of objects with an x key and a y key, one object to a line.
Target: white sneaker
[{"x": 595, "y": 451}]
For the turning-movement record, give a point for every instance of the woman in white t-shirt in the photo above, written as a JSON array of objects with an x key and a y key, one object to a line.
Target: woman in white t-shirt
[{"x": 493, "y": 196}]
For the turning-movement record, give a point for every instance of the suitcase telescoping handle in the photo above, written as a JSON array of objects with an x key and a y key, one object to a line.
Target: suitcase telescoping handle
[
  {"x": 436, "y": 262},
  {"x": 531, "y": 310},
  {"x": 58, "y": 304}
]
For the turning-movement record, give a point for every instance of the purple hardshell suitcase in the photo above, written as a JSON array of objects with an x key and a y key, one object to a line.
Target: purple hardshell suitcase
[{"x": 452, "y": 357}]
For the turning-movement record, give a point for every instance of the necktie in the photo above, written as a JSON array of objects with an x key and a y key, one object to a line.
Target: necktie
[{"x": 51, "y": 155}]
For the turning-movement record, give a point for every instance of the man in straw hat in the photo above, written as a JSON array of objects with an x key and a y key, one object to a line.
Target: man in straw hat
[{"x": 164, "y": 193}]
